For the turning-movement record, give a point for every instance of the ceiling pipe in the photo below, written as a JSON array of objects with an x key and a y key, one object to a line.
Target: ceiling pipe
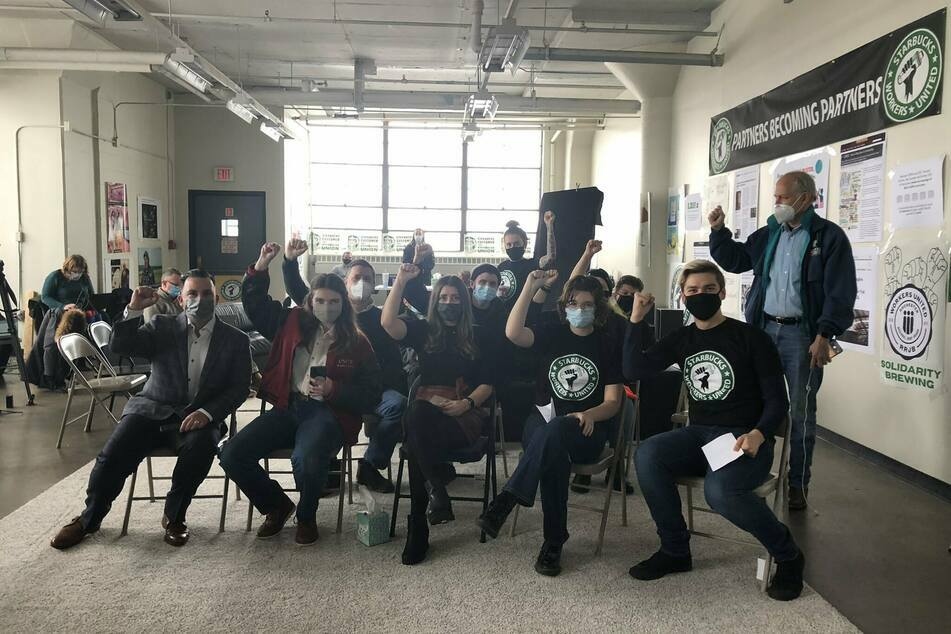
[
  {"x": 94, "y": 67},
  {"x": 475, "y": 36},
  {"x": 59, "y": 55},
  {"x": 539, "y": 54},
  {"x": 375, "y": 100},
  {"x": 262, "y": 21}
]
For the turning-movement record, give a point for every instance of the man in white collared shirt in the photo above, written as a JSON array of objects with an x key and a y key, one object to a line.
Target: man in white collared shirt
[{"x": 200, "y": 373}]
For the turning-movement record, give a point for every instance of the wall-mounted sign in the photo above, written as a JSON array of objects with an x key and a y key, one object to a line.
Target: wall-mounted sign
[
  {"x": 224, "y": 174},
  {"x": 891, "y": 80}
]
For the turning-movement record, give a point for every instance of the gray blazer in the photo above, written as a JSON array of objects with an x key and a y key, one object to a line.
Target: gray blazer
[{"x": 225, "y": 378}]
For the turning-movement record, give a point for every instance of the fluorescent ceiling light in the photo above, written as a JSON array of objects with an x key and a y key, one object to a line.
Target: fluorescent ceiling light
[
  {"x": 504, "y": 47},
  {"x": 98, "y": 10},
  {"x": 186, "y": 75},
  {"x": 481, "y": 105},
  {"x": 271, "y": 131},
  {"x": 241, "y": 110}
]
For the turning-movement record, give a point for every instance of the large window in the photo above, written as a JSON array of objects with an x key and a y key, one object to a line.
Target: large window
[{"x": 371, "y": 184}]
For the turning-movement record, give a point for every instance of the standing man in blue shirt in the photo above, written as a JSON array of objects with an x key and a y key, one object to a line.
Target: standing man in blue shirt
[{"x": 803, "y": 295}]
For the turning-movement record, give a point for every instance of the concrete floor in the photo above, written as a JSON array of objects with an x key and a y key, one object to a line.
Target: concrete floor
[{"x": 876, "y": 546}]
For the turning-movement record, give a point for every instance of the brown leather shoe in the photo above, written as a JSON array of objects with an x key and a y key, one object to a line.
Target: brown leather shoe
[
  {"x": 70, "y": 535},
  {"x": 176, "y": 533},
  {"x": 275, "y": 520},
  {"x": 306, "y": 533}
]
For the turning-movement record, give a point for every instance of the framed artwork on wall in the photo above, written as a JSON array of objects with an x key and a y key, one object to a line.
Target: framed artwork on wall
[{"x": 148, "y": 218}]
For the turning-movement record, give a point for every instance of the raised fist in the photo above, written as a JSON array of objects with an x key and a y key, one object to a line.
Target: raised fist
[
  {"x": 295, "y": 248},
  {"x": 142, "y": 298},
  {"x": 716, "y": 218}
]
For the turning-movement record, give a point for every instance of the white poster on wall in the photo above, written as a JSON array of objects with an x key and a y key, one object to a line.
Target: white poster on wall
[
  {"x": 716, "y": 192},
  {"x": 745, "y": 203},
  {"x": 914, "y": 300},
  {"x": 918, "y": 194},
  {"x": 693, "y": 205},
  {"x": 746, "y": 283},
  {"x": 862, "y": 334},
  {"x": 701, "y": 251},
  {"x": 861, "y": 188},
  {"x": 816, "y": 164}
]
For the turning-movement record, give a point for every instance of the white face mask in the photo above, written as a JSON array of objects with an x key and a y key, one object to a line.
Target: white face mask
[
  {"x": 360, "y": 291},
  {"x": 784, "y": 213},
  {"x": 73, "y": 276}
]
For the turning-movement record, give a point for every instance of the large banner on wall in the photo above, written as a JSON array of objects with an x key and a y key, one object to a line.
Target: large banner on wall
[
  {"x": 914, "y": 301},
  {"x": 892, "y": 80}
]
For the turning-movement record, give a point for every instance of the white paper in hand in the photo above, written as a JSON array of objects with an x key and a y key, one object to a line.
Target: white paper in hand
[
  {"x": 719, "y": 451},
  {"x": 547, "y": 411}
]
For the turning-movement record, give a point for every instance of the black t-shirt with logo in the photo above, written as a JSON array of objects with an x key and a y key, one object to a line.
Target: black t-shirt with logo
[
  {"x": 733, "y": 373},
  {"x": 514, "y": 275},
  {"x": 574, "y": 370}
]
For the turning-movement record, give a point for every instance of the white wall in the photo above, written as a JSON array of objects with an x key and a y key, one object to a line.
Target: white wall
[
  {"x": 766, "y": 44},
  {"x": 63, "y": 188},
  {"x": 31, "y": 99},
  {"x": 206, "y": 138},
  {"x": 616, "y": 171}
]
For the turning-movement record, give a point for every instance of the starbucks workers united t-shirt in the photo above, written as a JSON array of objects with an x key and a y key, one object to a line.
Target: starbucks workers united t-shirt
[{"x": 576, "y": 369}]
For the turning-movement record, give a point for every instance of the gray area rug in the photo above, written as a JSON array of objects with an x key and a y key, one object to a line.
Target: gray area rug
[{"x": 232, "y": 582}]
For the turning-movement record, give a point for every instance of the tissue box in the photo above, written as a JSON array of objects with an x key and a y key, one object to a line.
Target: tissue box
[{"x": 373, "y": 528}]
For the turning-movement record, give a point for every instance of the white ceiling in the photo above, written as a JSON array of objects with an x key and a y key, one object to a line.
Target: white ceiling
[{"x": 258, "y": 52}]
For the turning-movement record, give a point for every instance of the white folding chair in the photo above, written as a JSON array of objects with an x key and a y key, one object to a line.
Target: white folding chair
[
  {"x": 776, "y": 485},
  {"x": 103, "y": 379}
]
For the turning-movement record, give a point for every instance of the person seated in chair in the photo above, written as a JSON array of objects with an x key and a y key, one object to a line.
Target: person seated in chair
[
  {"x": 168, "y": 293},
  {"x": 445, "y": 415},
  {"x": 360, "y": 282},
  {"x": 200, "y": 373},
  {"x": 735, "y": 385},
  {"x": 584, "y": 383},
  {"x": 321, "y": 376}
]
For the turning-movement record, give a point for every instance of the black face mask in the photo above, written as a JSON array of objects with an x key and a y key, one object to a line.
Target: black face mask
[
  {"x": 515, "y": 253},
  {"x": 626, "y": 303},
  {"x": 703, "y": 306},
  {"x": 346, "y": 260},
  {"x": 449, "y": 312}
]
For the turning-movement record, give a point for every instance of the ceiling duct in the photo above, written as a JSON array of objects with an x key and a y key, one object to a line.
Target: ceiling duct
[{"x": 99, "y": 10}]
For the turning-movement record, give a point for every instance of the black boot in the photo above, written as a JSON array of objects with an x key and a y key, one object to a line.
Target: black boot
[
  {"x": 628, "y": 487},
  {"x": 368, "y": 476},
  {"x": 493, "y": 518},
  {"x": 787, "y": 582},
  {"x": 417, "y": 540},
  {"x": 660, "y": 564},
  {"x": 797, "y": 498},
  {"x": 549, "y": 560},
  {"x": 440, "y": 506}
]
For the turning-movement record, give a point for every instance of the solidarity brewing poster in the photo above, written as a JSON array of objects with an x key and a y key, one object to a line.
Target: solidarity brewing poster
[{"x": 913, "y": 295}]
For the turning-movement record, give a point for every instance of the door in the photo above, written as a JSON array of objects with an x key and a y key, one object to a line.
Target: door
[{"x": 226, "y": 230}]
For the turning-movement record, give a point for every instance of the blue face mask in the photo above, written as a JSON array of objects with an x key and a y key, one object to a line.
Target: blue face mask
[
  {"x": 174, "y": 291},
  {"x": 484, "y": 294},
  {"x": 580, "y": 317}
]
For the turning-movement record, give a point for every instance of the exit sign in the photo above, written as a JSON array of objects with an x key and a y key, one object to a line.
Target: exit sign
[{"x": 224, "y": 174}]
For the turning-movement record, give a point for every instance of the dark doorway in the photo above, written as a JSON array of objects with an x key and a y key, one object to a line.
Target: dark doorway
[{"x": 225, "y": 229}]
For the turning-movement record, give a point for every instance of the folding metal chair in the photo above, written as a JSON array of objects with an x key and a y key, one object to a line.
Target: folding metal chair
[
  {"x": 285, "y": 454},
  {"x": 101, "y": 334},
  {"x": 607, "y": 462},
  {"x": 75, "y": 348},
  {"x": 484, "y": 448},
  {"x": 151, "y": 497},
  {"x": 776, "y": 485}
]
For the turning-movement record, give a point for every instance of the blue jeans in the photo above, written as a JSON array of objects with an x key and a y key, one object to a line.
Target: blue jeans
[
  {"x": 793, "y": 344},
  {"x": 388, "y": 432},
  {"x": 729, "y": 491},
  {"x": 310, "y": 429},
  {"x": 550, "y": 449}
]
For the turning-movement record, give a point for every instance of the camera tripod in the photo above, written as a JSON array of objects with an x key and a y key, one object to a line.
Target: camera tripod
[{"x": 9, "y": 300}]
